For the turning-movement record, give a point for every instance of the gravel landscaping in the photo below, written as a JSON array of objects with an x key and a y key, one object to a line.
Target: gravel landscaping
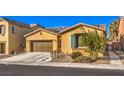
[
  {"x": 63, "y": 59},
  {"x": 103, "y": 60}
]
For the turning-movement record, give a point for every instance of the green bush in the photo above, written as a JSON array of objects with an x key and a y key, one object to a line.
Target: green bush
[
  {"x": 94, "y": 43},
  {"x": 75, "y": 54},
  {"x": 84, "y": 59}
]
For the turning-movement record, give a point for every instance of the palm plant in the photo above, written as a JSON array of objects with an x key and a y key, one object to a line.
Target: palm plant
[
  {"x": 113, "y": 29},
  {"x": 94, "y": 43}
]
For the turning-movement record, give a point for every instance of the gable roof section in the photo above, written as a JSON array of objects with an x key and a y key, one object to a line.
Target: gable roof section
[
  {"x": 16, "y": 22},
  {"x": 102, "y": 26},
  {"x": 36, "y": 25},
  {"x": 56, "y": 29},
  {"x": 81, "y": 24},
  {"x": 37, "y": 30},
  {"x": 21, "y": 23}
]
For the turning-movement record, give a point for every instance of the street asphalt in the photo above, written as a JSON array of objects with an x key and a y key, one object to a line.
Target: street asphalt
[{"x": 20, "y": 70}]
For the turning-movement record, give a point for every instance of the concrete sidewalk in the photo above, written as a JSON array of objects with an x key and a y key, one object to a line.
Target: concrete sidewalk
[
  {"x": 114, "y": 58},
  {"x": 70, "y": 65}
]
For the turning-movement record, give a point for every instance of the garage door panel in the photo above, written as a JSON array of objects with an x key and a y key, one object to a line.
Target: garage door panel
[{"x": 42, "y": 46}]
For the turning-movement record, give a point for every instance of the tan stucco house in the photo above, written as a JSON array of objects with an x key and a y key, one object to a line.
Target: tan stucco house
[
  {"x": 71, "y": 37},
  {"x": 12, "y": 35},
  {"x": 16, "y": 37},
  {"x": 118, "y": 41},
  {"x": 64, "y": 39}
]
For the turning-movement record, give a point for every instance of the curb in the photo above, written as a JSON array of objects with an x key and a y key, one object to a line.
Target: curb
[
  {"x": 93, "y": 66},
  {"x": 72, "y": 65}
]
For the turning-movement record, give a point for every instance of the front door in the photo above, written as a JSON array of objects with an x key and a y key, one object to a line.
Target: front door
[{"x": 2, "y": 48}]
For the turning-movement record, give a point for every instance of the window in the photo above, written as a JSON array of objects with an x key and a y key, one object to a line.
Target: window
[
  {"x": 2, "y": 29},
  {"x": 13, "y": 29},
  {"x": 78, "y": 40}
]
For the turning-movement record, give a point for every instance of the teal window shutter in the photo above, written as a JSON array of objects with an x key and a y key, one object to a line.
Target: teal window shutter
[
  {"x": 76, "y": 41},
  {"x": 72, "y": 41},
  {"x": 13, "y": 29}
]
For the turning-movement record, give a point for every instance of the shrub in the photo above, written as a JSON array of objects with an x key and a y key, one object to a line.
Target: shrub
[
  {"x": 75, "y": 54},
  {"x": 84, "y": 59},
  {"x": 94, "y": 42}
]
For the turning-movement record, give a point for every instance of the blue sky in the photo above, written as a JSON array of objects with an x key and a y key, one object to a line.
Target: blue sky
[{"x": 55, "y": 21}]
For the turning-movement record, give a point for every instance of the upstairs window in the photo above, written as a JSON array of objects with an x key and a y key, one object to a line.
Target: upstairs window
[
  {"x": 2, "y": 29},
  {"x": 13, "y": 29}
]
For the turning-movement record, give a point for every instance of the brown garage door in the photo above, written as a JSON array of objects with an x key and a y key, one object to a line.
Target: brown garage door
[{"x": 42, "y": 46}]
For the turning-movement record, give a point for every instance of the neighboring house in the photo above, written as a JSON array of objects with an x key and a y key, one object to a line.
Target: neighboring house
[
  {"x": 64, "y": 39},
  {"x": 12, "y": 35},
  {"x": 121, "y": 29},
  {"x": 118, "y": 41}
]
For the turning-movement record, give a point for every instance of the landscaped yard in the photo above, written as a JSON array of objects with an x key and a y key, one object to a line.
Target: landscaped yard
[
  {"x": 104, "y": 60},
  {"x": 63, "y": 59},
  {"x": 83, "y": 59},
  {"x": 95, "y": 46}
]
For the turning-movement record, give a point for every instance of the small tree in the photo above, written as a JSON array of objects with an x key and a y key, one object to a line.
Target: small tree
[
  {"x": 113, "y": 29},
  {"x": 94, "y": 43}
]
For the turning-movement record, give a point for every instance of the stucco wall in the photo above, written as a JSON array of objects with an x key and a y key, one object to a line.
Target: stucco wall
[
  {"x": 121, "y": 29},
  {"x": 16, "y": 40},
  {"x": 13, "y": 41},
  {"x": 41, "y": 35},
  {"x": 66, "y": 39},
  {"x": 4, "y": 37}
]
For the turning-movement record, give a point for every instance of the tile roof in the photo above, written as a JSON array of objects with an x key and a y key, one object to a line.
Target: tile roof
[
  {"x": 34, "y": 25},
  {"x": 39, "y": 29},
  {"x": 57, "y": 29},
  {"x": 60, "y": 29},
  {"x": 83, "y": 24},
  {"x": 16, "y": 22},
  {"x": 21, "y": 23}
]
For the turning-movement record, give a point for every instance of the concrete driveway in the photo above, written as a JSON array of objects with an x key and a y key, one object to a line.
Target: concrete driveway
[{"x": 28, "y": 58}]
